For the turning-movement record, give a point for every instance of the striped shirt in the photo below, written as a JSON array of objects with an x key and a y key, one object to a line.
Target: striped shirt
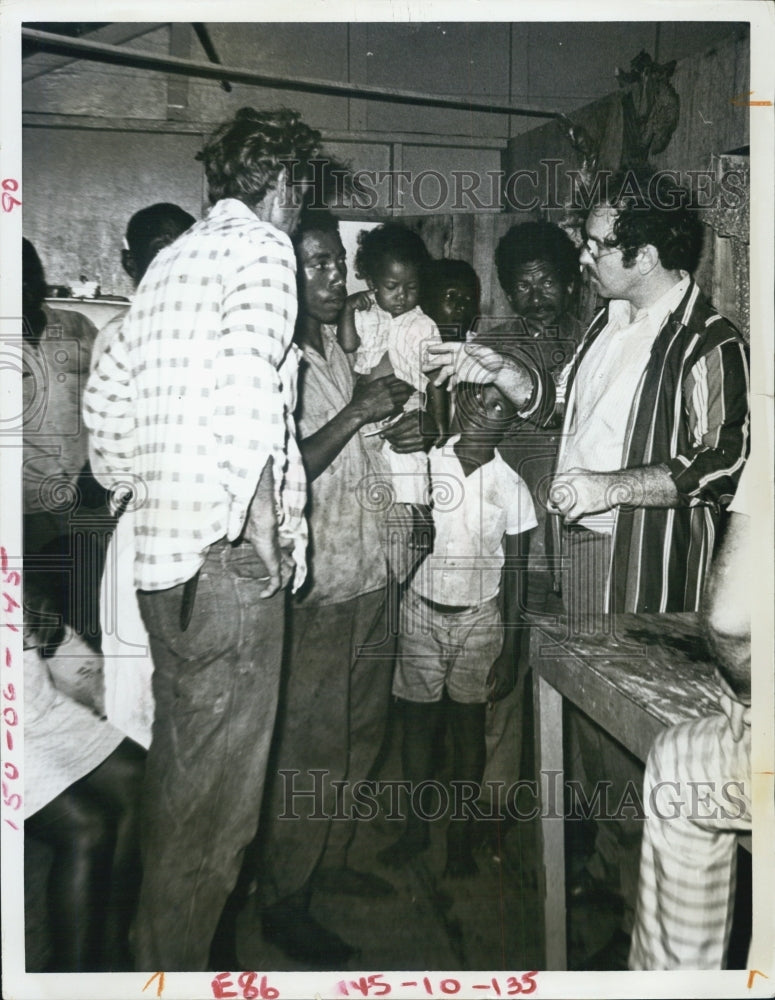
[
  {"x": 691, "y": 414},
  {"x": 604, "y": 387},
  {"x": 197, "y": 391}
]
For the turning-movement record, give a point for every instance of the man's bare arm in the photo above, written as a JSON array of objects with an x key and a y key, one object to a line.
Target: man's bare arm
[{"x": 579, "y": 492}]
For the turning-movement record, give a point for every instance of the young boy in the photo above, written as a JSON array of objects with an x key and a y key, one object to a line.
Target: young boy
[{"x": 460, "y": 613}]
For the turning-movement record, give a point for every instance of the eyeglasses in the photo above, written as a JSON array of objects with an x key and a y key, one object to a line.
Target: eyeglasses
[{"x": 595, "y": 249}]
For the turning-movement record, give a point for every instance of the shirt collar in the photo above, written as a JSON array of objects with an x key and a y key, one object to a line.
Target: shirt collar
[
  {"x": 659, "y": 311},
  {"x": 328, "y": 336},
  {"x": 233, "y": 208},
  {"x": 620, "y": 310}
]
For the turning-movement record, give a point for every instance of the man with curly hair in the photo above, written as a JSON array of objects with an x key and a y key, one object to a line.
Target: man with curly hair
[
  {"x": 191, "y": 405},
  {"x": 655, "y": 437},
  {"x": 656, "y": 426}
]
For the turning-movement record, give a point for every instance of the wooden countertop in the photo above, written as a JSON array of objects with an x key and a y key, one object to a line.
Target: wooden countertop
[{"x": 634, "y": 676}]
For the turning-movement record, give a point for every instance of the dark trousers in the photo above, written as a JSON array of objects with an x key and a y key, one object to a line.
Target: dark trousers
[
  {"x": 333, "y": 720},
  {"x": 215, "y": 687}
]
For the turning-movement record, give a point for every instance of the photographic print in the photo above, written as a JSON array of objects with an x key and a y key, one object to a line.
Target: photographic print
[{"x": 387, "y": 547}]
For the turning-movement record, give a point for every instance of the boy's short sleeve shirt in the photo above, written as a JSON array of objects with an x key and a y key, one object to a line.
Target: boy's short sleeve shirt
[{"x": 471, "y": 515}]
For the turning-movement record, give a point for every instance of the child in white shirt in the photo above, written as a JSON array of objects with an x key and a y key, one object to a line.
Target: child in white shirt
[
  {"x": 460, "y": 615},
  {"x": 387, "y": 332}
]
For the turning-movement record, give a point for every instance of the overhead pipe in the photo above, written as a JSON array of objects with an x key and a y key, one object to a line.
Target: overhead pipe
[
  {"x": 101, "y": 52},
  {"x": 207, "y": 44}
]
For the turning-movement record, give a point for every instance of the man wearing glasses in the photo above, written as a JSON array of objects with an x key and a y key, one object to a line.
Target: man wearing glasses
[
  {"x": 656, "y": 420},
  {"x": 655, "y": 437}
]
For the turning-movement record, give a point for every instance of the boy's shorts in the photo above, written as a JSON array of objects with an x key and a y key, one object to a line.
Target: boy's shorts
[{"x": 453, "y": 650}]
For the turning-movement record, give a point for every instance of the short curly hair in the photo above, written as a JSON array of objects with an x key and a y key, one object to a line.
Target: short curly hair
[
  {"x": 653, "y": 208},
  {"x": 149, "y": 222},
  {"x": 390, "y": 241},
  {"x": 245, "y": 155},
  {"x": 314, "y": 220},
  {"x": 531, "y": 241}
]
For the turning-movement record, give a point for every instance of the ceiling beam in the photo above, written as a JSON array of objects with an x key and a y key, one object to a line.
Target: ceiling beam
[
  {"x": 83, "y": 49},
  {"x": 40, "y": 63}
]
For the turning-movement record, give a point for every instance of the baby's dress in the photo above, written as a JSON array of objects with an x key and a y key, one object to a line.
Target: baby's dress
[{"x": 404, "y": 338}]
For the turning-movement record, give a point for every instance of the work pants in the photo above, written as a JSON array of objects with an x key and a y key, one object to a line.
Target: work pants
[{"x": 215, "y": 687}]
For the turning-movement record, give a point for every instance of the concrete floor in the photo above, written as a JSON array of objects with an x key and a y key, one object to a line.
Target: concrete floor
[
  {"x": 488, "y": 921},
  {"x": 492, "y": 921}
]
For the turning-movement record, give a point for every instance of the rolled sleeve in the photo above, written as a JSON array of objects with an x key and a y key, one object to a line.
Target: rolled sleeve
[{"x": 716, "y": 405}]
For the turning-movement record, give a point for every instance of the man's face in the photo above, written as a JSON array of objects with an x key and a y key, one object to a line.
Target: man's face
[
  {"x": 322, "y": 274},
  {"x": 602, "y": 262},
  {"x": 538, "y": 294}
]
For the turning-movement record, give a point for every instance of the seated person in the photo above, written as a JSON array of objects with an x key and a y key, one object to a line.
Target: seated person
[
  {"x": 459, "y": 617},
  {"x": 450, "y": 295},
  {"x": 686, "y": 889},
  {"x": 82, "y": 782}
]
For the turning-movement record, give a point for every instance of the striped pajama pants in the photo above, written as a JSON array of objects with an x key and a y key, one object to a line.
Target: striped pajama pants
[{"x": 697, "y": 796}]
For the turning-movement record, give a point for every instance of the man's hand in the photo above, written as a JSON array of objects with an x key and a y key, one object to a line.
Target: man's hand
[
  {"x": 479, "y": 364},
  {"x": 463, "y": 363},
  {"x": 502, "y": 676},
  {"x": 358, "y": 301},
  {"x": 579, "y": 492},
  {"x": 381, "y": 398},
  {"x": 414, "y": 431},
  {"x": 261, "y": 529}
]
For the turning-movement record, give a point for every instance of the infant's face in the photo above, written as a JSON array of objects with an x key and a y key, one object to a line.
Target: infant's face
[{"x": 396, "y": 287}]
